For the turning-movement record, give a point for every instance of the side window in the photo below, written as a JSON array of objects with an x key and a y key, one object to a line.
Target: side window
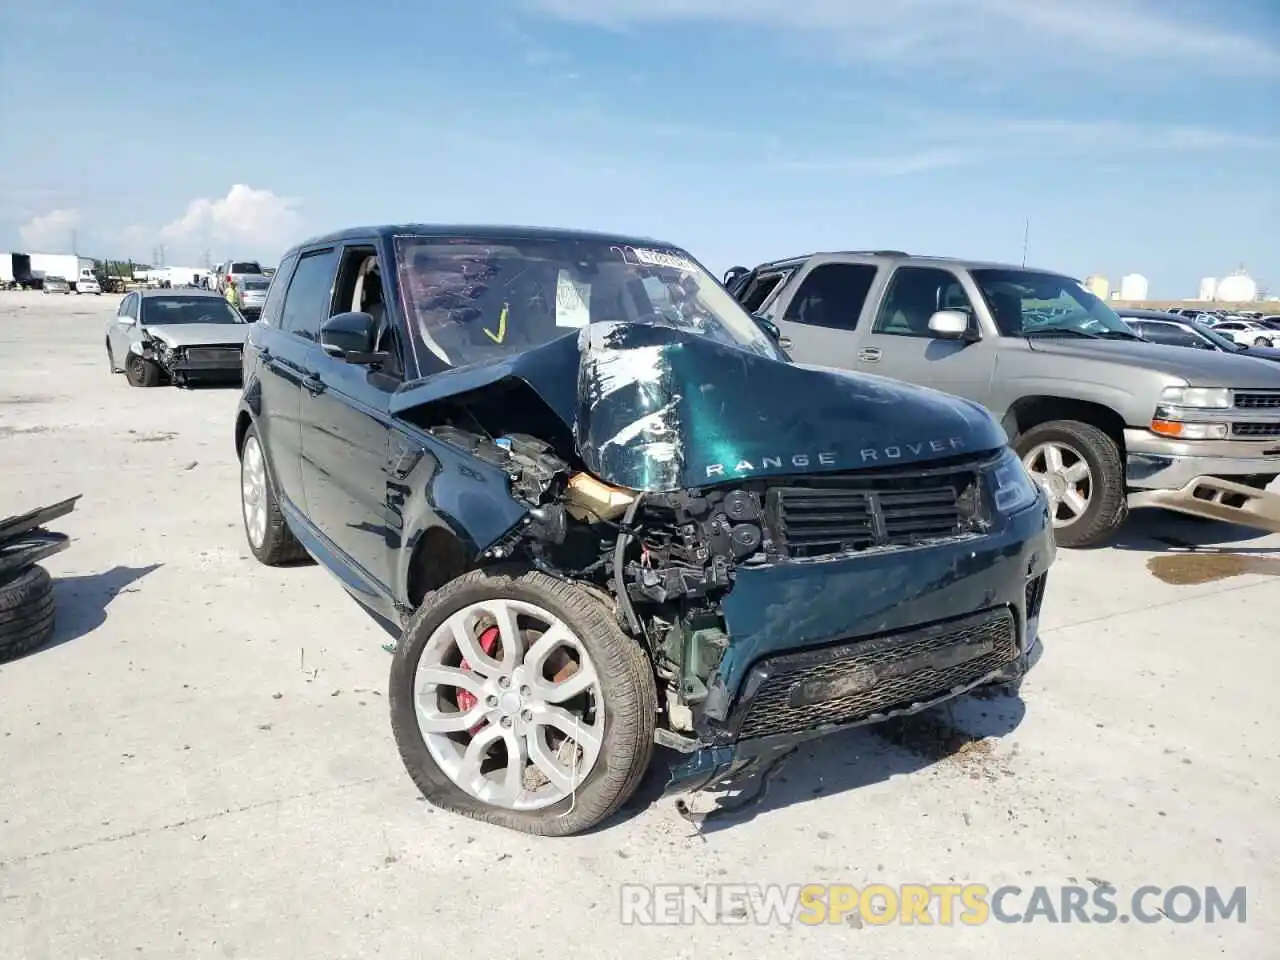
[
  {"x": 130, "y": 307},
  {"x": 914, "y": 295},
  {"x": 832, "y": 295},
  {"x": 753, "y": 298},
  {"x": 275, "y": 293},
  {"x": 1170, "y": 334},
  {"x": 306, "y": 304}
]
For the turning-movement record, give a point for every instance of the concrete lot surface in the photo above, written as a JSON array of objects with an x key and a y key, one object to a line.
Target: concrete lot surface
[{"x": 201, "y": 763}]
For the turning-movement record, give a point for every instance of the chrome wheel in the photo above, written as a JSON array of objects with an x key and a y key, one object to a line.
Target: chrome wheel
[
  {"x": 1064, "y": 475},
  {"x": 253, "y": 491},
  {"x": 509, "y": 704}
]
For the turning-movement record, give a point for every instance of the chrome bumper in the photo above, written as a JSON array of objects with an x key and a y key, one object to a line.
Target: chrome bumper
[{"x": 1193, "y": 478}]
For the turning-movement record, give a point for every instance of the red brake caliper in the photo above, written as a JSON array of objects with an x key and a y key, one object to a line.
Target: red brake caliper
[{"x": 467, "y": 699}]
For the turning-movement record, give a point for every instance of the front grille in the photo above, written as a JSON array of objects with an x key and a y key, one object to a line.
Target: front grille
[
  {"x": 1257, "y": 401},
  {"x": 213, "y": 354},
  {"x": 856, "y": 681},
  {"x": 824, "y": 515},
  {"x": 1255, "y": 429}
]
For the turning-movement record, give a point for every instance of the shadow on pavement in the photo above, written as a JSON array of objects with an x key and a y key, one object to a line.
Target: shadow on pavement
[
  {"x": 961, "y": 733},
  {"x": 82, "y": 601},
  {"x": 1153, "y": 530}
]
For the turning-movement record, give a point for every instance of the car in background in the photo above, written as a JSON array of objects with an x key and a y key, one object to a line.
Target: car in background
[
  {"x": 176, "y": 336},
  {"x": 1174, "y": 330},
  {"x": 56, "y": 285},
  {"x": 253, "y": 295},
  {"x": 1248, "y": 332},
  {"x": 234, "y": 270},
  {"x": 88, "y": 285}
]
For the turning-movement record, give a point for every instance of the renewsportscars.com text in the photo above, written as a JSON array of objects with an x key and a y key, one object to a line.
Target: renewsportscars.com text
[{"x": 971, "y": 904}]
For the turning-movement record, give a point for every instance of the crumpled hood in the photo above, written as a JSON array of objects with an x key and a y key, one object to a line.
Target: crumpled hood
[
  {"x": 1199, "y": 368},
  {"x": 198, "y": 334},
  {"x": 655, "y": 408}
]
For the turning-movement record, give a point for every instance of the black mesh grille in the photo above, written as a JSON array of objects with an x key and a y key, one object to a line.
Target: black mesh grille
[
  {"x": 1256, "y": 429},
  {"x": 858, "y": 680},
  {"x": 1035, "y": 594},
  {"x": 213, "y": 354},
  {"x": 1255, "y": 401},
  {"x": 824, "y": 515}
]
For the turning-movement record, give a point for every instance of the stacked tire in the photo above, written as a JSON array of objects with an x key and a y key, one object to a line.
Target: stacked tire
[{"x": 27, "y": 611}]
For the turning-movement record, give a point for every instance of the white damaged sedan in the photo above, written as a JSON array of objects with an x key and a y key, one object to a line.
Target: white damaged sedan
[{"x": 178, "y": 336}]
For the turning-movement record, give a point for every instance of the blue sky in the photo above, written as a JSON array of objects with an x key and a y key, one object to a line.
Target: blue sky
[{"x": 1137, "y": 135}]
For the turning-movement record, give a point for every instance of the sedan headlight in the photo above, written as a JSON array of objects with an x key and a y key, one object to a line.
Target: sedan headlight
[
  {"x": 1205, "y": 398},
  {"x": 1012, "y": 485}
]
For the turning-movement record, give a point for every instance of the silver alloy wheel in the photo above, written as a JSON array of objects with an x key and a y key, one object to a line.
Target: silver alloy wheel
[
  {"x": 518, "y": 730},
  {"x": 253, "y": 491},
  {"x": 1064, "y": 475}
]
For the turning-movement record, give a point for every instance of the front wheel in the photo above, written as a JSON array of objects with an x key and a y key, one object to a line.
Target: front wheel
[
  {"x": 1081, "y": 470},
  {"x": 1263, "y": 342},
  {"x": 141, "y": 372},
  {"x": 516, "y": 700}
]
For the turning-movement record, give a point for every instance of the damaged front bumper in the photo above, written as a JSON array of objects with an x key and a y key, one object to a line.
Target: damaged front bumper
[
  {"x": 824, "y": 646},
  {"x": 222, "y": 361}
]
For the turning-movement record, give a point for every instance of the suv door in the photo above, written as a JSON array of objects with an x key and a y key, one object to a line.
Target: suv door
[
  {"x": 820, "y": 316},
  {"x": 281, "y": 354},
  {"x": 901, "y": 345},
  {"x": 345, "y": 434}
]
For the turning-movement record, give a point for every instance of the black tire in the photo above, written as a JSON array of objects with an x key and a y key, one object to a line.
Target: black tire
[
  {"x": 1263, "y": 342},
  {"x": 1108, "y": 502},
  {"x": 627, "y": 685},
  {"x": 27, "y": 612},
  {"x": 279, "y": 545},
  {"x": 141, "y": 372}
]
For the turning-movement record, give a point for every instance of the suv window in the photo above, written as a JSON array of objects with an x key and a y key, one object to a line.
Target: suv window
[
  {"x": 1170, "y": 333},
  {"x": 915, "y": 294},
  {"x": 306, "y": 305},
  {"x": 832, "y": 295},
  {"x": 758, "y": 291},
  {"x": 245, "y": 266}
]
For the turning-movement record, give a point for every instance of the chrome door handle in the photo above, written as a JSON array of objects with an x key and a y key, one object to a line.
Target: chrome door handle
[{"x": 870, "y": 354}]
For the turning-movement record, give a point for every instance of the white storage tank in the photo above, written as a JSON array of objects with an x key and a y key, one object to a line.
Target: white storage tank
[
  {"x": 1133, "y": 287},
  {"x": 1208, "y": 288},
  {"x": 1098, "y": 285},
  {"x": 1237, "y": 288}
]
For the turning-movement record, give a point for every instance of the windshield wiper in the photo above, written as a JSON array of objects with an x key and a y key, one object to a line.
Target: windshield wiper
[{"x": 1064, "y": 331}]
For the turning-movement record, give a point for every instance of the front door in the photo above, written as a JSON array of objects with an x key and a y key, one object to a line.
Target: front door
[
  {"x": 900, "y": 344},
  {"x": 820, "y": 317},
  {"x": 345, "y": 429}
]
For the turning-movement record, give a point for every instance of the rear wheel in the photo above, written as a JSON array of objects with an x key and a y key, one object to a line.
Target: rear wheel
[
  {"x": 1081, "y": 470},
  {"x": 269, "y": 536},
  {"x": 516, "y": 700}
]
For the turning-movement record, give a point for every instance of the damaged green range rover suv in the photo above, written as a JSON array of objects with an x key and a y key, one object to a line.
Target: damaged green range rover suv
[{"x": 609, "y": 513}]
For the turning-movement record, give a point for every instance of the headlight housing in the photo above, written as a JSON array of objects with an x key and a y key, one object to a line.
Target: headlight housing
[
  {"x": 1202, "y": 398},
  {"x": 1011, "y": 485},
  {"x": 1192, "y": 413}
]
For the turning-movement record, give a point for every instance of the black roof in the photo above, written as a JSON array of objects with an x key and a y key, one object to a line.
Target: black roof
[
  {"x": 479, "y": 232},
  {"x": 1138, "y": 314}
]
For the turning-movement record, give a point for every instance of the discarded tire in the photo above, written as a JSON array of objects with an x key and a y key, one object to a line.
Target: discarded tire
[{"x": 26, "y": 612}]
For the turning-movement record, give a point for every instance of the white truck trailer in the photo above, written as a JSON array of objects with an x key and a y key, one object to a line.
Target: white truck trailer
[{"x": 71, "y": 268}]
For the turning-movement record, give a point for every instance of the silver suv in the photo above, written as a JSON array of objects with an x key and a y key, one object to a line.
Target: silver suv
[{"x": 1102, "y": 418}]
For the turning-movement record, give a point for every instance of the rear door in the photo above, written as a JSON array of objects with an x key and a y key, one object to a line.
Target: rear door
[
  {"x": 285, "y": 345},
  {"x": 819, "y": 314},
  {"x": 901, "y": 345}
]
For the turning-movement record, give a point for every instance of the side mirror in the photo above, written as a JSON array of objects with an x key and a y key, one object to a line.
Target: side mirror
[
  {"x": 771, "y": 328},
  {"x": 951, "y": 325},
  {"x": 733, "y": 273},
  {"x": 348, "y": 336}
]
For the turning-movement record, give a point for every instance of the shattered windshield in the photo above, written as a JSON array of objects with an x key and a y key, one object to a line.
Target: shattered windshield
[
  {"x": 157, "y": 310},
  {"x": 1025, "y": 303},
  {"x": 474, "y": 300}
]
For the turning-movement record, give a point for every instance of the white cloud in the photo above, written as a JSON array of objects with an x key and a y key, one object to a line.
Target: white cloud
[
  {"x": 986, "y": 32},
  {"x": 50, "y": 232},
  {"x": 251, "y": 220}
]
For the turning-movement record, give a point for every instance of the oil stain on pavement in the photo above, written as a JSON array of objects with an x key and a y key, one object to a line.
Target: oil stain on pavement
[{"x": 1189, "y": 569}]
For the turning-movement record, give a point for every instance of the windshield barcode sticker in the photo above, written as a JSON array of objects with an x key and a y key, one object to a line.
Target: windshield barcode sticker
[{"x": 658, "y": 258}]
